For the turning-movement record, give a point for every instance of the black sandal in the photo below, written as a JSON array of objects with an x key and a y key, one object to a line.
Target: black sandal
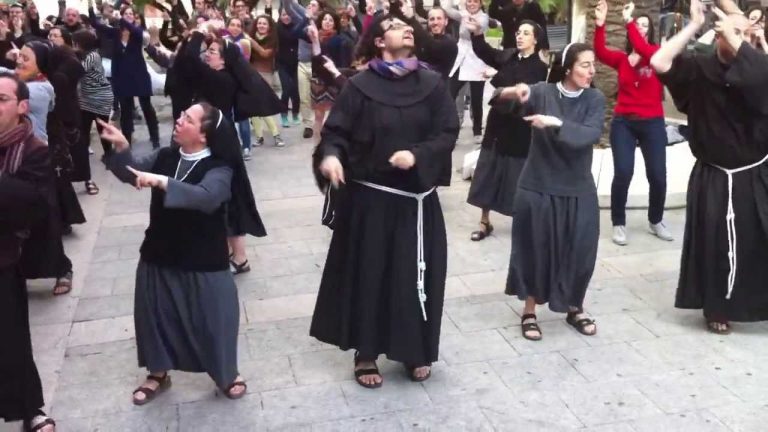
[
  {"x": 369, "y": 371},
  {"x": 712, "y": 326},
  {"x": 44, "y": 421},
  {"x": 412, "y": 376},
  {"x": 239, "y": 268},
  {"x": 580, "y": 325},
  {"x": 150, "y": 394},
  {"x": 529, "y": 327},
  {"x": 91, "y": 188},
  {"x": 228, "y": 390},
  {"x": 481, "y": 234}
]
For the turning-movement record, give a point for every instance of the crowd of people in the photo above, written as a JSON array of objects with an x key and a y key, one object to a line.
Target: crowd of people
[{"x": 376, "y": 86}]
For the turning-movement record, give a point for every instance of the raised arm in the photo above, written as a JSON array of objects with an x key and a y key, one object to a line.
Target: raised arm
[
  {"x": 639, "y": 43},
  {"x": 488, "y": 54},
  {"x": 661, "y": 62},
  {"x": 749, "y": 74},
  {"x": 101, "y": 28},
  {"x": 609, "y": 57},
  {"x": 451, "y": 10}
]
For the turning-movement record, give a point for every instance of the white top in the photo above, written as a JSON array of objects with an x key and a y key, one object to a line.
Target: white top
[{"x": 472, "y": 68}]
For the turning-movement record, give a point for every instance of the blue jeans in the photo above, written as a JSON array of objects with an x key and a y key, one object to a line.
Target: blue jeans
[
  {"x": 651, "y": 136},
  {"x": 289, "y": 81},
  {"x": 244, "y": 128}
]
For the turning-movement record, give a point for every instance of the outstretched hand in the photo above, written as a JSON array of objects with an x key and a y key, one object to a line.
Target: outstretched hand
[
  {"x": 112, "y": 134},
  {"x": 332, "y": 169},
  {"x": 541, "y": 121},
  {"x": 601, "y": 13},
  {"x": 626, "y": 12},
  {"x": 147, "y": 179}
]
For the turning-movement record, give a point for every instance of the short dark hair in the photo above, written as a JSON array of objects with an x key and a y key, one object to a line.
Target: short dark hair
[
  {"x": 85, "y": 40},
  {"x": 651, "y": 32},
  {"x": 22, "y": 91}
]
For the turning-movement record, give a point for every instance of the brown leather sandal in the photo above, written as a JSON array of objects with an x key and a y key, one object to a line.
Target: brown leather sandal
[
  {"x": 65, "y": 283},
  {"x": 412, "y": 373},
  {"x": 359, "y": 373},
  {"x": 234, "y": 396},
  {"x": 581, "y": 324},
  {"x": 525, "y": 327},
  {"x": 149, "y": 393}
]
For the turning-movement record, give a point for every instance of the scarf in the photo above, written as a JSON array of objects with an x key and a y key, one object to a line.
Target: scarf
[
  {"x": 398, "y": 69},
  {"x": 325, "y": 35},
  {"x": 12, "y": 141}
]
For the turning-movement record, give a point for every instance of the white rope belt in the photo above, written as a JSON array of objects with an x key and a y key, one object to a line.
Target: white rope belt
[
  {"x": 730, "y": 221},
  {"x": 421, "y": 265}
]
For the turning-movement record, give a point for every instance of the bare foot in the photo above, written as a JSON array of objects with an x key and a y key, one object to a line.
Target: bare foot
[
  {"x": 421, "y": 373},
  {"x": 148, "y": 384},
  {"x": 370, "y": 379}
]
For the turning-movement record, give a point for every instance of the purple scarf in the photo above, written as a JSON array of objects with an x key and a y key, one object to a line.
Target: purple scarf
[{"x": 398, "y": 69}]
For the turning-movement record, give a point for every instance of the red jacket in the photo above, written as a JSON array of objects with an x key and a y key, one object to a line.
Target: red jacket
[{"x": 640, "y": 91}]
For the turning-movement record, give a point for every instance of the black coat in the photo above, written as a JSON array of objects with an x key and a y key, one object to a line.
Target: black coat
[
  {"x": 511, "y": 16},
  {"x": 505, "y": 131}
]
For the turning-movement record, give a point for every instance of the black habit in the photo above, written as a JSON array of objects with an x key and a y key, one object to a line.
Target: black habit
[
  {"x": 368, "y": 295},
  {"x": 727, "y": 108},
  {"x": 23, "y": 202}
]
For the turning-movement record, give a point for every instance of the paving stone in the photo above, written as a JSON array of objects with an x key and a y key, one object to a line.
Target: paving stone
[
  {"x": 280, "y": 308},
  {"x": 492, "y": 282},
  {"x": 282, "y": 341},
  {"x": 148, "y": 419},
  {"x": 678, "y": 392},
  {"x": 222, "y": 414},
  {"x": 46, "y": 309},
  {"x": 537, "y": 372},
  {"x": 103, "y": 330},
  {"x": 459, "y": 383},
  {"x": 307, "y": 404},
  {"x": 397, "y": 393},
  {"x": 472, "y": 317},
  {"x": 610, "y": 362},
  {"x": 613, "y": 328},
  {"x": 267, "y": 374},
  {"x": 90, "y": 309},
  {"x": 465, "y": 416},
  {"x": 608, "y": 402},
  {"x": 94, "y": 399},
  {"x": 748, "y": 381},
  {"x": 372, "y": 423},
  {"x": 474, "y": 346},
  {"x": 743, "y": 417},
  {"x": 325, "y": 366},
  {"x": 680, "y": 352},
  {"x": 696, "y": 421},
  {"x": 530, "y": 410},
  {"x": 101, "y": 362}
]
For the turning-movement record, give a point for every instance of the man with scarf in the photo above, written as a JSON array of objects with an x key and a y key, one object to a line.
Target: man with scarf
[
  {"x": 725, "y": 97},
  {"x": 389, "y": 139},
  {"x": 26, "y": 179}
]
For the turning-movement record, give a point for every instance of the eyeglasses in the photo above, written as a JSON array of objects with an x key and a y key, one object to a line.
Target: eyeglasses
[{"x": 398, "y": 26}]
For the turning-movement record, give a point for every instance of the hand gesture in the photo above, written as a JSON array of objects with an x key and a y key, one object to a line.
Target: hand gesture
[
  {"x": 403, "y": 160},
  {"x": 312, "y": 33},
  {"x": 626, "y": 13},
  {"x": 520, "y": 93},
  {"x": 472, "y": 25},
  {"x": 331, "y": 169},
  {"x": 407, "y": 8},
  {"x": 724, "y": 26},
  {"x": 12, "y": 54},
  {"x": 330, "y": 66},
  {"x": 112, "y": 134},
  {"x": 351, "y": 11},
  {"x": 541, "y": 121},
  {"x": 697, "y": 13},
  {"x": 601, "y": 12},
  {"x": 147, "y": 179}
]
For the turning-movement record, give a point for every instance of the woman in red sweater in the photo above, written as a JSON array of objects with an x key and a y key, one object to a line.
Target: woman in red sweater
[{"x": 638, "y": 119}]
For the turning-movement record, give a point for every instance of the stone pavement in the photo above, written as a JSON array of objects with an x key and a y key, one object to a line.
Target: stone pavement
[{"x": 650, "y": 367}]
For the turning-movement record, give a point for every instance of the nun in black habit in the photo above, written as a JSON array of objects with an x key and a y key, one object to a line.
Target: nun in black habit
[
  {"x": 387, "y": 143},
  {"x": 186, "y": 308},
  {"x": 725, "y": 95},
  {"x": 557, "y": 219},
  {"x": 223, "y": 78},
  {"x": 507, "y": 136}
]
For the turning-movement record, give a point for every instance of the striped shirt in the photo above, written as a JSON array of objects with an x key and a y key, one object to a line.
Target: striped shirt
[{"x": 95, "y": 91}]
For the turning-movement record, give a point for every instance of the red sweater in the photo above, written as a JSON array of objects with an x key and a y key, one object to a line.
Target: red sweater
[{"x": 640, "y": 91}]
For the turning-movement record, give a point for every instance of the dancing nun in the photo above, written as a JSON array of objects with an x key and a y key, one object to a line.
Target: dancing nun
[{"x": 186, "y": 308}]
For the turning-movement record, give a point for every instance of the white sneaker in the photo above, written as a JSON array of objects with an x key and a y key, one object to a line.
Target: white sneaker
[
  {"x": 619, "y": 235},
  {"x": 247, "y": 154},
  {"x": 660, "y": 230}
]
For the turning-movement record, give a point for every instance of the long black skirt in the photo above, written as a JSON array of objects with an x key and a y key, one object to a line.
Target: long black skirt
[
  {"x": 704, "y": 266},
  {"x": 368, "y": 298},
  {"x": 69, "y": 206},
  {"x": 554, "y": 248},
  {"x": 21, "y": 393},
  {"x": 495, "y": 181},
  {"x": 187, "y": 321}
]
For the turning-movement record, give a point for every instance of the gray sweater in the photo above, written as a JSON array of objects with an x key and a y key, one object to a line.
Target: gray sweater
[
  {"x": 41, "y": 101},
  {"x": 560, "y": 159}
]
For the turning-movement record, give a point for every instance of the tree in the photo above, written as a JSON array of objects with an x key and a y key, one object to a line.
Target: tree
[{"x": 616, "y": 36}]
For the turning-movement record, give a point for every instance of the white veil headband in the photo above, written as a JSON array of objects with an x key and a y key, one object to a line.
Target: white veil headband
[
  {"x": 221, "y": 117},
  {"x": 565, "y": 53}
]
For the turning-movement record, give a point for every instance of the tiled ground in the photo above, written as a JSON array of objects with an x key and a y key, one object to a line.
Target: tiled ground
[{"x": 650, "y": 368}]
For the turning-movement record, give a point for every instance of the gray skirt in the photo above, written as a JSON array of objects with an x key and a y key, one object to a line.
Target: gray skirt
[
  {"x": 554, "y": 248},
  {"x": 187, "y": 321},
  {"x": 495, "y": 181}
]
